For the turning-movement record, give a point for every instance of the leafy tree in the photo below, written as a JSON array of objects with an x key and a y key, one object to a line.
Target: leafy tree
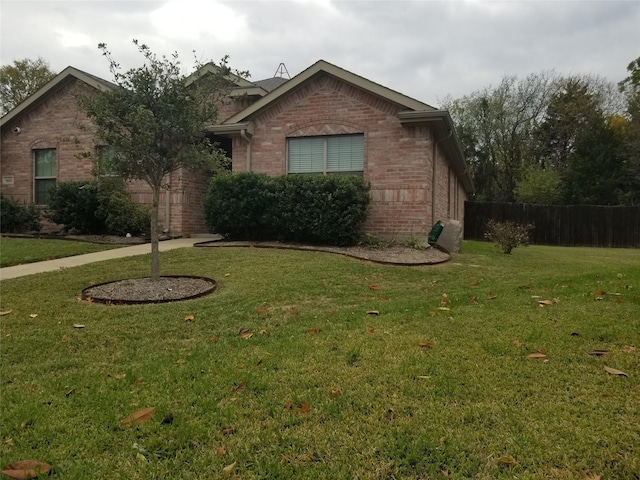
[
  {"x": 20, "y": 80},
  {"x": 539, "y": 185},
  {"x": 630, "y": 88},
  {"x": 154, "y": 119},
  {"x": 597, "y": 171},
  {"x": 495, "y": 126}
]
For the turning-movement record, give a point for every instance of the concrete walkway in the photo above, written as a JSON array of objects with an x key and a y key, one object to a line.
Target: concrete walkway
[{"x": 68, "y": 262}]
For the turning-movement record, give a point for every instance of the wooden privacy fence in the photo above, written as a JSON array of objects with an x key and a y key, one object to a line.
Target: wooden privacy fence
[{"x": 567, "y": 225}]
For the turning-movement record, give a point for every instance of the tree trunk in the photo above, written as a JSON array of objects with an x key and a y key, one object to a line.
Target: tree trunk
[{"x": 155, "y": 252}]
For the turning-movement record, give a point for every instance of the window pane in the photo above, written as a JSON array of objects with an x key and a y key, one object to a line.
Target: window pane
[
  {"x": 345, "y": 153},
  {"x": 45, "y": 163},
  {"x": 306, "y": 155},
  {"x": 42, "y": 190},
  {"x": 104, "y": 160}
]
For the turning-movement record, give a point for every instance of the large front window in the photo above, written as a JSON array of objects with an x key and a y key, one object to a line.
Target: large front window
[
  {"x": 341, "y": 154},
  {"x": 45, "y": 174}
]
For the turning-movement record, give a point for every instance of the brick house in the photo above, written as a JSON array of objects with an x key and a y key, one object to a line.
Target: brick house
[{"x": 324, "y": 120}]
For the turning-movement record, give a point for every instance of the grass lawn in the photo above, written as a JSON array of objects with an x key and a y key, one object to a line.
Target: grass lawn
[
  {"x": 438, "y": 385},
  {"x": 16, "y": 251}
]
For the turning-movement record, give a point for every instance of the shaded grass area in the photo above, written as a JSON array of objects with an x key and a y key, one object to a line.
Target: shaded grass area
[
  {"x": 16, "y": 251},
  {"x": 321, "y": 389}
]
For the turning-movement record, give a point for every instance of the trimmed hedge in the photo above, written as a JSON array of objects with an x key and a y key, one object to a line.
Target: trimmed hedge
[
  {"x": 18, "y": 217},
  {"x": 97, "y": 207},
  {"x": 317, "y": 209}
]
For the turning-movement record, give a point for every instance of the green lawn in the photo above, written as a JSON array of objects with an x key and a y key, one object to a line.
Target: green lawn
[
  {"x": 438, "y": 385},
  {"x": 16, "y": 251}
]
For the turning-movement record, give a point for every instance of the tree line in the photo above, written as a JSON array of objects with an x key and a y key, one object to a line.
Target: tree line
[
  {"x": 552, "y": 139},
  {"x": 547, "y": 138}
]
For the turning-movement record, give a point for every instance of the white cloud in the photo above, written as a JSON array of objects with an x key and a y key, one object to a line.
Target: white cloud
[{"x": 190, "y": 20}]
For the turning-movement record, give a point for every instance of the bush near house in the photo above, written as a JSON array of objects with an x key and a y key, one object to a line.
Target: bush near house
[
  {"x": 98, "y": 207},
  {"x": 18, "y": 217},
  {"x": 320, "y": 209}
]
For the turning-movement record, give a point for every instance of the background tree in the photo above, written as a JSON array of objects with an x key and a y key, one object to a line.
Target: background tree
[
  {"x": 630, "y": 88},
  {"x": 495, "y": 126},
  {"x": 155, "y": 118},
  {"x": 21, "y": 79}
]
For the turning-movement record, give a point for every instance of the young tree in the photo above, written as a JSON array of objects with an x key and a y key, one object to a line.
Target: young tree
[
  {"x": 21, "y": 79},
  {"x": 155, "y": 118}
]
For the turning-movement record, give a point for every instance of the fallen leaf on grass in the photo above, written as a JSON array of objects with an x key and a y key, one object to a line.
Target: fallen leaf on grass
[
  {"x": 542, "y": 303},
  {"x": 221, "y": 451},
  {"x": 228, "y": 470},
  {"x": 4, "y": 314},
  {"x": 228, "y": 431},
  {"x": 335, "y": 393},
  {"x": 189, "y": 318},
  {"x": 261, "y": 311},
  {"x": 373, "y": 312},
  {"x": 139, "y": 416},
  {"x": 374, "y": 287},
  {"x": 592, "y": 477},
  {"x": 33, "y": 315},
  {"x": 517, "y": 342},
  {"x": 78, "y": 325},
  {"x": 371, "y": 331},
  {"x": 297, "y": 408},
  {"x": 314, "y": 330},
  {"x": 613, "y": 371},
  {"x": 536, "y": 356},
  {"x": 492, "y": 296},
  {"x": 181, "y": 361},
  {"x": 473, "y": 301},
  {"x": 598, "y": 293},
  {"x": 25, "y": 469},
  {"x": 227, "y": 274},
  {"x": 599, "y": 353},
  {"x": 245, "y": 334},
  {"x": 507, "y": 461},
  {"x": 629, "y": 348},
  {"x": 425, "y": 344},
  {"x": 475, "y": 283}
]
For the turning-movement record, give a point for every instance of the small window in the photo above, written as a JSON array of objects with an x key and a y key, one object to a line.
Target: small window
[
  {"x": 104, "y": 161},
  {"x": 45, "y": 167},
  {"x": 340, "y": 154}
]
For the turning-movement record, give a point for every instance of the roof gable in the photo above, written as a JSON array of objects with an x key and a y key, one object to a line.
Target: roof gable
[
  {"x": 55, "y": 84},
  {"x": 325, "y": 67}
]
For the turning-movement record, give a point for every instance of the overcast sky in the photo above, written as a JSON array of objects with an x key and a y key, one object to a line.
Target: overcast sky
[{"x": 424, "y": 49}]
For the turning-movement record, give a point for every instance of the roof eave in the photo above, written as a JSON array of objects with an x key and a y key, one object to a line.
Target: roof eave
[
  {"x": 443, "y": 129},
  {"x": 337, "y": 72},
  {"x": 52, "y": 85}
]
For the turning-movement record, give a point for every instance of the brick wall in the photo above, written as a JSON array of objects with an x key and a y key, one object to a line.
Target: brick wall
[
  {"x": 57, "y": 122},
  {"x": 398, "y": 159}
]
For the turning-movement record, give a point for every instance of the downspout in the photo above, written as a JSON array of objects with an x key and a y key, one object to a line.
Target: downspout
[
  {"x": 243, "y": 134},
  {"x": 433, "y": 175}
]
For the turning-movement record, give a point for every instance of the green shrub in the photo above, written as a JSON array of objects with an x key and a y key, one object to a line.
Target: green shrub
[
  {"x": 74, "y": 205},
  {"x": 18, "y": 217},
  {"x": 324, "y": 209},
  {"x": 508, "y": 235},
  {"x": 241, "y": 206},
  {"x": 97, "y": 207},
  {"x": 122, "y": 215},
  {"x": 321, "y": 209}
]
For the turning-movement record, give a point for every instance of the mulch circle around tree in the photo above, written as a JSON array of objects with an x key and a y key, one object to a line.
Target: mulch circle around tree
[{"x": 141, "y": 290}]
